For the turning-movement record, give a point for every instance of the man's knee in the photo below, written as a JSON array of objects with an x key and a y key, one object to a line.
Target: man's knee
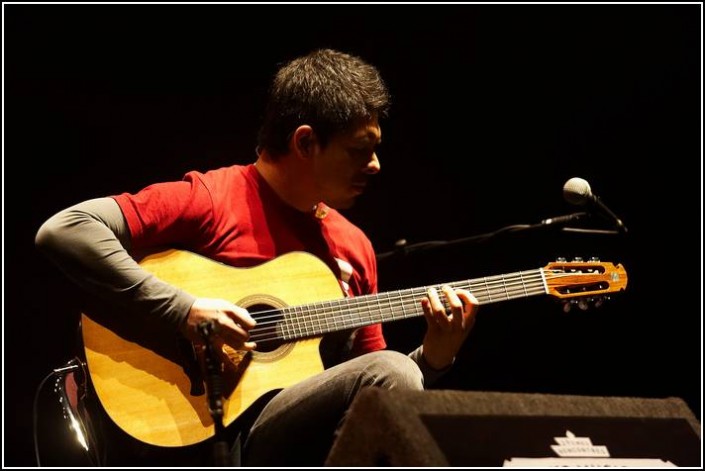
[{"x": 392, "y": 369}]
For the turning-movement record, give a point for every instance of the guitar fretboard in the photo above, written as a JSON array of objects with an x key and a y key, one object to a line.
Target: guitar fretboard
[{"x": 315, "y": 319}]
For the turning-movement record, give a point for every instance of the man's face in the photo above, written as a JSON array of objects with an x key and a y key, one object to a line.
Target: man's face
[{"x": 344, "y": 166}]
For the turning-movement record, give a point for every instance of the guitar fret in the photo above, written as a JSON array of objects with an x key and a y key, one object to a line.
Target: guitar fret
[
  {"x": 354, "y": 319},
  {"x": 418, "y": 294},
  {"x": 313, "y": 329},
  {"x": 523, "y": 284},
  {"x": 335, "y": 312},
  {"x": 356, "y": 311},
  {"x": 303, "y": 317},
  {"x": 311, "y": 322},
  {"x": 289, "y": 322},
  {"x": 326, "y": 314},
  {"x": 498, "y": 290},
  {"x": 360, "y": 314},
  {"x": 340, "y": 309},
  {"x": 391, "y": 307},
  {"x": 343, "y": 317},
  {"x": 368, "y": 312},
  {"x": 403, "y": 310},
  {"x": 298, "y": 323},
  {"x": 379, "y": 307},
  {"x": 487, "y": 288},
  {"x": 327, "y": 319},
  {"x": 316, "y": 317},
  {"x": 335, "y": 321}
]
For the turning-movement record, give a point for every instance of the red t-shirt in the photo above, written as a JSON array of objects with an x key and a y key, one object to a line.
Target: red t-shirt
[{"x": 233, "y": 216}]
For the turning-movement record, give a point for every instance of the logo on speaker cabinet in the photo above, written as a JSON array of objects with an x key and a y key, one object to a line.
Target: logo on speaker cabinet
[
  {"x": 579, "y": 452},
  {"x": 572, "y": 446}
]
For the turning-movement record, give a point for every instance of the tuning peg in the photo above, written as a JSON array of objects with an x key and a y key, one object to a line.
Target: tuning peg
[
  {"x": 578, "y": 259},
  {"x": 599, "y": 302},
  {"x": 561, "y": 259},
  {"x": 583, "y": 305},
  {"x": 568, "y": 305},
  {"x": 594, "y": 259}
]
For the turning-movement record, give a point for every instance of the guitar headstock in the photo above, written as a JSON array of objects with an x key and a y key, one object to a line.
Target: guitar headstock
[{"x": 583, "y": 283}]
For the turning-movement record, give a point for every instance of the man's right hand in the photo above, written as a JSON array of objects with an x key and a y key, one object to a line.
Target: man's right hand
[{"x": 232, "y": 322}]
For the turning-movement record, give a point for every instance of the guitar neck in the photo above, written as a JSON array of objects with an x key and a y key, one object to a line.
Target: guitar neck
[{"x": 323, "y": 317}]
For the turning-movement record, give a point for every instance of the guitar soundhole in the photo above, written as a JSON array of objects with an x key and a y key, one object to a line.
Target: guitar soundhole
[{"x": 265, "y": 332}]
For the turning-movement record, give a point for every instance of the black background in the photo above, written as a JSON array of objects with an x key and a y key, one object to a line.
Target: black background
[{"x": 495, "y": 107}]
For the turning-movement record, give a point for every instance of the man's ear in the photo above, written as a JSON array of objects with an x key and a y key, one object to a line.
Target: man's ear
[{"x": 304, "y": 140}]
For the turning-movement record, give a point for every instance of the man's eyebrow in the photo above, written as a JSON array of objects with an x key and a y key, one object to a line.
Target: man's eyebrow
[
  {"x": 367, "y": 141},
  {"x": 370, "y": 137}
]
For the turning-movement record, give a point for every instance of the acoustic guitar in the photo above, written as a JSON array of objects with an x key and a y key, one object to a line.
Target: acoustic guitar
[{"x": 151, "y": 387}]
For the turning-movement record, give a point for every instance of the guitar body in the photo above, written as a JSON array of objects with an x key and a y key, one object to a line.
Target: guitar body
[{"x": 145, "y": 387}]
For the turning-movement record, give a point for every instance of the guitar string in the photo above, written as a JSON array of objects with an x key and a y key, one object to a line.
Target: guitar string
[{"x": 490, "y": 289}]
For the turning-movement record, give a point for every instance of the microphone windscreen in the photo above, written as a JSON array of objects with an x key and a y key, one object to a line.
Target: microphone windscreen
[{"x": 577, "y": 191}]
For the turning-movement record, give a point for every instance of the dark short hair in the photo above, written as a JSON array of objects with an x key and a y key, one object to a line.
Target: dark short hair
[{"x": 326, "y": 89}]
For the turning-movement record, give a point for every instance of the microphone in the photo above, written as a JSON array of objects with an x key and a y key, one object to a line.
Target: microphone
[
  {"x": 577, "y": 191},
  {"x": 561, "y": 220}
]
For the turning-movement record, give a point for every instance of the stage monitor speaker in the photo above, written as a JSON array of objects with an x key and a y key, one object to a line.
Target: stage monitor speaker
[{"x": 500, "y": 429}]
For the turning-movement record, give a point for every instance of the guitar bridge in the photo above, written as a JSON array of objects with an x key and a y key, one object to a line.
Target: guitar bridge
[{"x": 236, "y": 357}]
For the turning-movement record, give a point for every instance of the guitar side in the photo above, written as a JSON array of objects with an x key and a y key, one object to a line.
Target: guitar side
[{"x": 148, "y": 394}]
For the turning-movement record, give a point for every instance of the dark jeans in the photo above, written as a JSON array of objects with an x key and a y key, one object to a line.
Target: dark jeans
[{"x": 298, "y": 426}]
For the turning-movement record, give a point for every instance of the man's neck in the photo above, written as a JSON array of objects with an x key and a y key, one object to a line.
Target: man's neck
[{"x": 287, "y": 180}]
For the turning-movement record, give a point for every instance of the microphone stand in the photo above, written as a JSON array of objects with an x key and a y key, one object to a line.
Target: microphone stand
[
  {"x": 214, "y": 388},
  {"x": 401, "y": 247}
]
